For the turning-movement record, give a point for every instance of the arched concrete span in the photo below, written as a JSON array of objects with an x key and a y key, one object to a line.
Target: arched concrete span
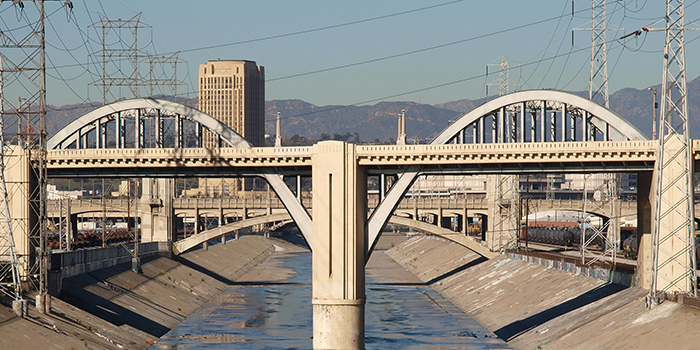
[
  {"x": 594, "y": 120},
  {"x": 190, "y": 242},
  {"x": 468, "y": 242},
  {"x": 147, "y": 106},
  {"x": 75, "y": 132},
  {"x": 602, "y": 118}
]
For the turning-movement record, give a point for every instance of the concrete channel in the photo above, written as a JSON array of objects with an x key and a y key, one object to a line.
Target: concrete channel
[
  {"x": 527, "y": 305},
  {"x": 534, "y": 306}
]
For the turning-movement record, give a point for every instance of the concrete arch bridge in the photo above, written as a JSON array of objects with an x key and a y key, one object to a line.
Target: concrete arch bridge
[{"x": 525, "y": 132}]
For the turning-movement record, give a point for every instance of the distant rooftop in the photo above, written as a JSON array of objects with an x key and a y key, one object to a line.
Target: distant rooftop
[{"x": 220, "y": 60}]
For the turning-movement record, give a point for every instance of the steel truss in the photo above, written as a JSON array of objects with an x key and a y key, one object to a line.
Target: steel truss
[
  {"x": 673, "y": 239},
  {"x": 506, "y": 212},
  {"x": 606, "y": 234},
  {"x": 24, "y": 76}
]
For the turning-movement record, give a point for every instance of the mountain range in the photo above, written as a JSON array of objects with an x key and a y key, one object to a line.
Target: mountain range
[{"x": 379, "y": 122}]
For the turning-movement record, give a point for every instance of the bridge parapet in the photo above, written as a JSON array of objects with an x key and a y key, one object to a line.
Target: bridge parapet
[
  {"x": 180, "y": 157},
  {"x": 576, "y": 152}
]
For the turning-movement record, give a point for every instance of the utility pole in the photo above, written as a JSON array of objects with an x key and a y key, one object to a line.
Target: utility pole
[
  {"x": 653, "y": 115},
  {"x": 278, "y": 137}
]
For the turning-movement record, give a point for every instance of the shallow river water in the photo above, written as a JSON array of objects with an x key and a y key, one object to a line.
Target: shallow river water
[{"x": 277, "y": 315}]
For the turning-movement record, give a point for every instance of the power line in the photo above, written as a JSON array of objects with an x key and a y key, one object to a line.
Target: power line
[
  {"x": 425, "y": 88},
  {"x": 278, "y": 36}
]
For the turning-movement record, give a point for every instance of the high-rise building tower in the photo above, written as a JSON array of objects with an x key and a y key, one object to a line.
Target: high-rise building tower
[{"x": 233, "y": 91}]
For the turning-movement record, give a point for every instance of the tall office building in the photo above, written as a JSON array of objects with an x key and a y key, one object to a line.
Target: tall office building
[{"x": 233, "y": 91}]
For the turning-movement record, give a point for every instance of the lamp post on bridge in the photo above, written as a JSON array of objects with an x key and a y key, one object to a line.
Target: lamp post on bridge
[{"x": 653, "y": 115}]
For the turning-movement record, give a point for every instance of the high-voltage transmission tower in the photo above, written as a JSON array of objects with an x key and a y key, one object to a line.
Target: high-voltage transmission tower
[
  {"x": 159, "y": 76},
  {"x": 503, "y": 81},
  {"x": 673, "y": 238},
  {"x": 506, "y": 192},
  {"x": 603, "y": 186},
  {"x": 23, "y": 75},
  {"x": 120, "y": 59}
]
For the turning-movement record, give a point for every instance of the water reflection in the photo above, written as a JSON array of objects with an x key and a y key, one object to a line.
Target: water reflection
[{"x": 278, "y": 315}]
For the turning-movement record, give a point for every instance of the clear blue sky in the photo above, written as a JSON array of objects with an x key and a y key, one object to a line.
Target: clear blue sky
[{"x": 536, "y": 34}]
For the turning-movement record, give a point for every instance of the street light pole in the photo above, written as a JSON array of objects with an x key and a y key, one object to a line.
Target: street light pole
[{"x": 654, "y": 107}]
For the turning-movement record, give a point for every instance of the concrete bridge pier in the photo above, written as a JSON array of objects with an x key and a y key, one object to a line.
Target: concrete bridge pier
[
  {"x": 501, "y": 230},
  {"x": 674, "y": 254},
  {"x": 21, "y": 183},
  {"x": 196, "y": 219},
  {"x": 338, "y": 260},
  {"x": 158, "y": 219},
  {"x": 645, "y": 192}
]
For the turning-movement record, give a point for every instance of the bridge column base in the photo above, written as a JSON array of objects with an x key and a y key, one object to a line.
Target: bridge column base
[
  {"x": 338, "y": 245},
  {"x": 339, "y": 324}
]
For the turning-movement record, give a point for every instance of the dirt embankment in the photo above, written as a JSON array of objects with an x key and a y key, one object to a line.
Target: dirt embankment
[
  {"x": 532, "y": 307},
  {"x": 116, "y": 308}
]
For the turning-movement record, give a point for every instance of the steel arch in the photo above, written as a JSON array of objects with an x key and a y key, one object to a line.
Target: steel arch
[
  {"x": 70, "y": 132},
  {"x": 621, "y": 130}
]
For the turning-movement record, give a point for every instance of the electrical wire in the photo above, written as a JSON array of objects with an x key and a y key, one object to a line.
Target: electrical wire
[
  {"x": 306, "y": 31},
  {"x": 551, "y": 38},
  {"x": 421, "y": 89}
]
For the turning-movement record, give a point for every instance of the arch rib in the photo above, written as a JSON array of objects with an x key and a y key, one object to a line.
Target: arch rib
[
  {"x": 64, "y": 136},
  {"x": 615, "y": 126}
]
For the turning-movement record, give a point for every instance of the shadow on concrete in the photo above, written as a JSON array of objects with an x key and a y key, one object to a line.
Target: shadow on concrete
[
  {"x": 472, "y": 263},
  {"x": 75, "y": 294},
  {"x": 203, "y": 270},
  {"x": 268, "y": 283},
  {"x": 517, "y": 328}
]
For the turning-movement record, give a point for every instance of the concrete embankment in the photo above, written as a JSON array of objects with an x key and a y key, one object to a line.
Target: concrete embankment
[
  {"x": 533, "y": 306},
  {"x": 115, "y": 308}
]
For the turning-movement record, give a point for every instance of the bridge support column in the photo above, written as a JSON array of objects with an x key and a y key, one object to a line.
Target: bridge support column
[
  {"x": 339, "y": 202},
  {"x": 21, "y": 183},
  {"x": 465, "y": 221},
  {"x": 196, "y": 219},
  {"x": 674, "y": 270},
  {"x": 157, "y": 221},
  {"x": 645, "y": 189},
  {"x": 70, "y": 229}
]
